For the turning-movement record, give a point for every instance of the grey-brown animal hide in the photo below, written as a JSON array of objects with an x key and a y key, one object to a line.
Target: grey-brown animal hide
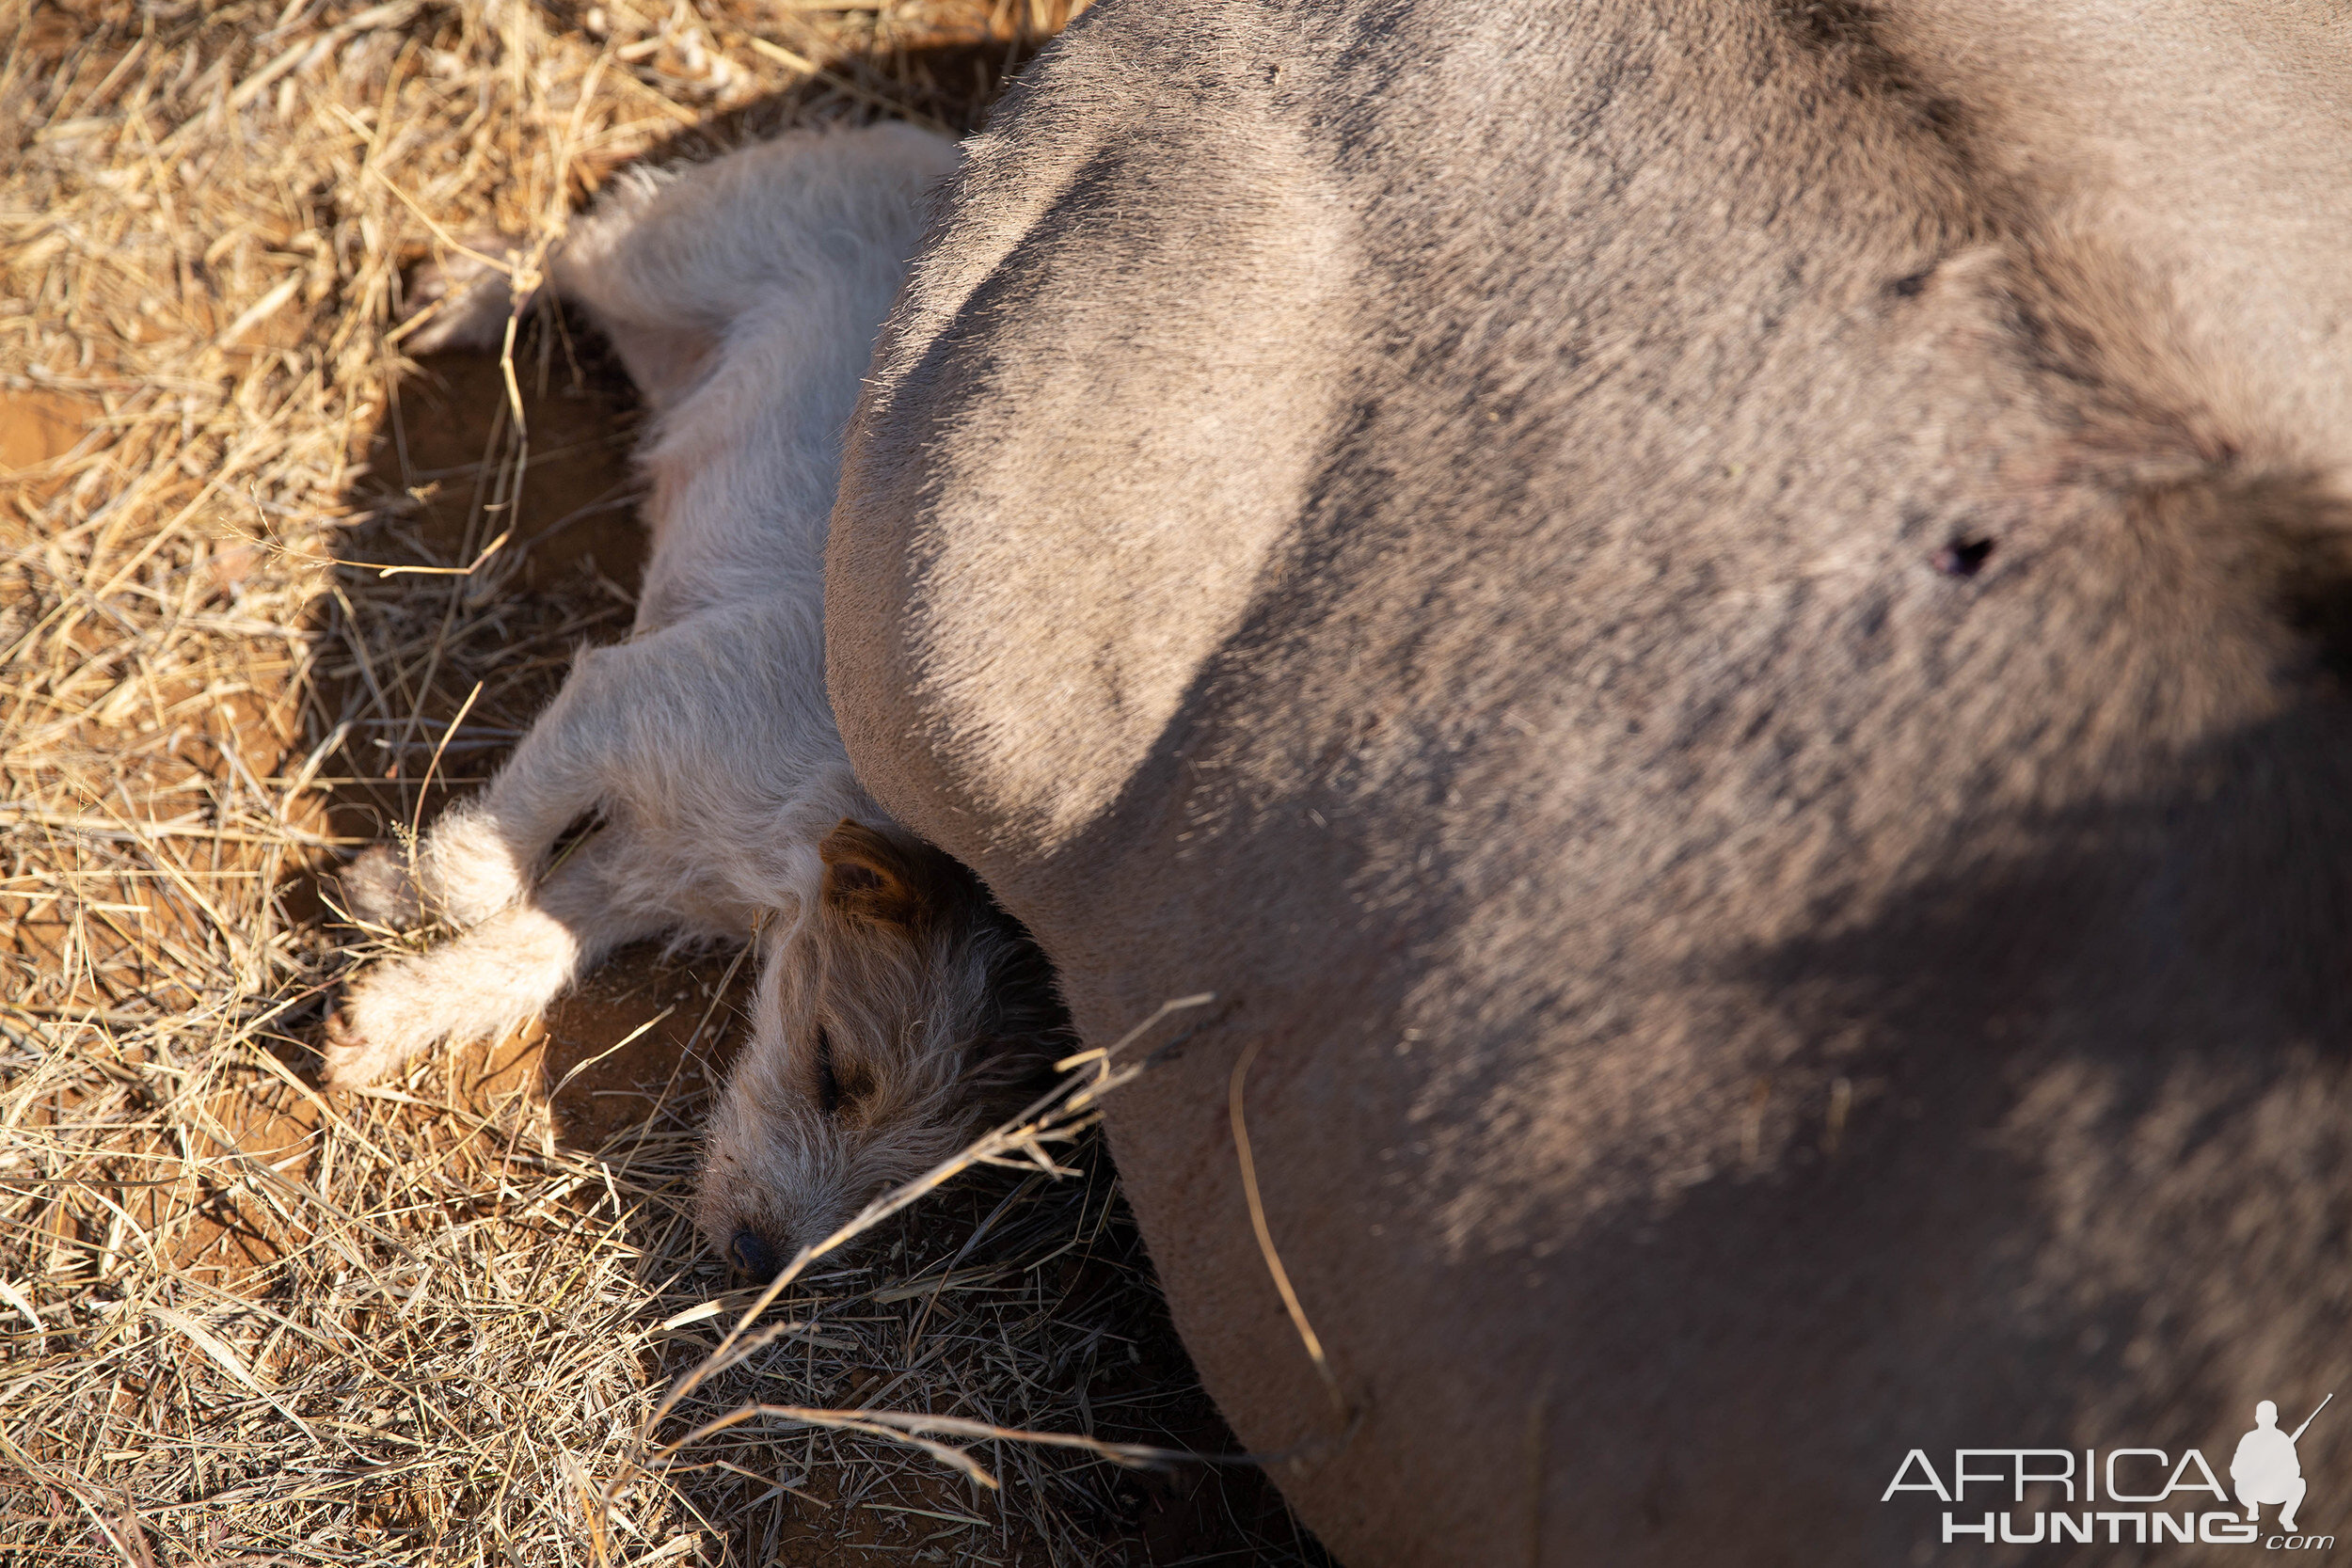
[{"x": 1722, "y": 627}]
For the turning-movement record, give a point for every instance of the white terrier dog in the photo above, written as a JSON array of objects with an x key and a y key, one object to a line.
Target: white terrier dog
[{"x": 743, "y": 295}]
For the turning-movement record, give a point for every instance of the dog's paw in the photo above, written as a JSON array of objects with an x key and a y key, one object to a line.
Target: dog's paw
[
  {"x": 351, "y": 1060},
  {"x": 379, "y": 889},
  {"x": 461, "y": 302}
]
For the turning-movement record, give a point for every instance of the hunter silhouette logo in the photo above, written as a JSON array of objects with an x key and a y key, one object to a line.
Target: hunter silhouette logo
[
  {"x": 2091, "y": 1496},
  {"x": 2264, "y": 1469}
]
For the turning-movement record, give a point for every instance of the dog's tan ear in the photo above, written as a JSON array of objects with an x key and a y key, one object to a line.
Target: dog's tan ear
[{"x": 868, "y": 876}]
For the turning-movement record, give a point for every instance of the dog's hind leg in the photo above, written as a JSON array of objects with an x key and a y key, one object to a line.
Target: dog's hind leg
[
  {"x": 669, "y": 260},
  {"x": 745, "y": 295}
]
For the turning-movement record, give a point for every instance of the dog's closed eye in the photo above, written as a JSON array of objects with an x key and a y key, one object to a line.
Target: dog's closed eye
[
  {"x": 840, "y": 1085},
  {"x": 828, "y": 1084}
]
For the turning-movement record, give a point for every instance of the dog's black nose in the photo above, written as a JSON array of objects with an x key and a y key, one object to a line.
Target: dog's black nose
[{"x": 755, "y": 1257}]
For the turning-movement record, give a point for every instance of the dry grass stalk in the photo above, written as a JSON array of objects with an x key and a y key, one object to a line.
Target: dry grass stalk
[{"x": 243, "y": 1320}]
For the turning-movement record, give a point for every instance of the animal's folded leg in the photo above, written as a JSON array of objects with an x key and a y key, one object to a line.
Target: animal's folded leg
[{"x": 493, "y": 978}]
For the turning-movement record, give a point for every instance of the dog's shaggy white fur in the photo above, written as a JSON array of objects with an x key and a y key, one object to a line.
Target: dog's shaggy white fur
[{"x": 743, "y": 295}]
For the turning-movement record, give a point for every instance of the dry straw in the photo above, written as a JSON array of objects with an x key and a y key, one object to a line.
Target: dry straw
[{"x": 268, "y": 591}]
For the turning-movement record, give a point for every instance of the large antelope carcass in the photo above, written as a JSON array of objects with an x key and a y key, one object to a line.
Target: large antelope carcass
[{"x": 1722, "y": 629}]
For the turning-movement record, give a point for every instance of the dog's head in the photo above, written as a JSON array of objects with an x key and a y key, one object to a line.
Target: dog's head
[{"x": 889, "y": 1022}]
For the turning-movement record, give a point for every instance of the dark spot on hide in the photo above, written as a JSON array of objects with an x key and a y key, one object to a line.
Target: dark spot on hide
[{"x": 1962, "y": 557}]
